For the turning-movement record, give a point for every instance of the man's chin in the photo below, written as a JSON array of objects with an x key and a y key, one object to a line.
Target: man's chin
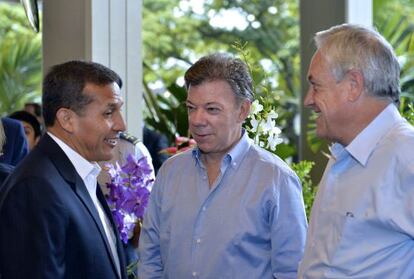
[
  {"x": 104, "y": 157},
  {"x": 204, "y": 149}
]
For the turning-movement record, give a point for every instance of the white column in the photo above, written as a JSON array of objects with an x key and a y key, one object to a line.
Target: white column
[
  {"x": 103, "y": 31},
  {"x": 360, "y": 12}
]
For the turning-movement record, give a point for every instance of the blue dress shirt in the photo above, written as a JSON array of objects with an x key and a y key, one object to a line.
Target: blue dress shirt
[
  {"x": 362, "y": 221},
  {"x": 250, "y": 224}
]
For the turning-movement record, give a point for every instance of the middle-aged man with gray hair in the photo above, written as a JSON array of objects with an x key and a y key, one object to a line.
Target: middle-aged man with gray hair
[
  {"x": 362, "y": 222},
  {"x": 227, "y": 208}
]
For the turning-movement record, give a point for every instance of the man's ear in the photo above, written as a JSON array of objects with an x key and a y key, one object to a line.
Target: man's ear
[
  {"x": 244, "y": 110},
  {"x": 356, "y": 85},
  {"x": 66, "y": 119}
]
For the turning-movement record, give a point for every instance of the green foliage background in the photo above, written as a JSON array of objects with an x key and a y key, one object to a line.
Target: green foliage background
[
  {"x": 20, "y": 59},
  {"x": 172, "y": 43}
]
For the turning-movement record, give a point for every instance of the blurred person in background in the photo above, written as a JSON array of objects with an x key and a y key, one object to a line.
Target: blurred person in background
[
  {"x": 31, "y": 126},
  {"x": 16, "y": 146},
  {"x": 5, "y": 169},
  {"x": 155, "y": 142},
  {"x": 35, "y": 109}
]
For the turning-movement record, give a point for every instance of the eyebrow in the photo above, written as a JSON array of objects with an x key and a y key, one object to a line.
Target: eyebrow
[
  {"x": 113, "y": 106},
  {"x": 206, "y": 104}
]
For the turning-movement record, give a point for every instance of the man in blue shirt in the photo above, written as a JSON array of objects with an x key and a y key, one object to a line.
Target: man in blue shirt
[
  {"x": 362, "y": 222},
  {"x": 228, "y": 208}
]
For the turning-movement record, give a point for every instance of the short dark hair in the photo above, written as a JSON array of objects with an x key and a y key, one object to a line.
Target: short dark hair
[
  {"x": 63, "y": 86},
  {"x": 29, "y": 118},
  {"x": 221, "y": 66},
  {"x": 37, "y": 108}
]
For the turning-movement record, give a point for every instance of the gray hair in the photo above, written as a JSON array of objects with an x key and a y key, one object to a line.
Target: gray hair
[
  {"x": 348, "y": 46},
  {"x": 222, "y": 66}
]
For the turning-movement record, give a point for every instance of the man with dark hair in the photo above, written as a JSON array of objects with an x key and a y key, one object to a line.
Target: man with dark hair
[
  {"x": 362, "y": 221},
  {"x": 227, "y": 208},
  {"x": 34, "y": 109},
  {"x": 31, "y": 126},
  {"x": 55, "y": 222}
]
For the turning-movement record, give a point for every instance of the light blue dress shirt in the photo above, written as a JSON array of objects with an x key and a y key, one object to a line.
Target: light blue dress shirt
[
  {"x": 250, "y": 224},
  {"x": 362, "y": 221}
]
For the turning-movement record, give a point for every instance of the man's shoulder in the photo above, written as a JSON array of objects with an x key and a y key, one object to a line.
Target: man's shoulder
[
  {"x": 264, "y": 155},
  {"x": 399, "y": 141},
  {"x": 268, "y": 160},
  {"x": 179, "y": 160}
]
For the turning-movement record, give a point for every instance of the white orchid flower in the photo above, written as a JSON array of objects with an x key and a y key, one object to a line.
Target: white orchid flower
[
  {"x": 268, "y": 125},
  {"x": 256, "y": 107},
  {"x": 272, "y": 114},
  {"x": 275, "y": 131},
  {"x": 254, "y": 122},
  {"x": 273, "y": 140}
]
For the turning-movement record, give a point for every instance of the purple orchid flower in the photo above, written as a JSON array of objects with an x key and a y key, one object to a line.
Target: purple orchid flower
[{"x": 128, "y": 193}]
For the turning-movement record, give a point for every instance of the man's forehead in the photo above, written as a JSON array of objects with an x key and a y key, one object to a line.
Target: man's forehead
[{"x": 93, "y": 88}]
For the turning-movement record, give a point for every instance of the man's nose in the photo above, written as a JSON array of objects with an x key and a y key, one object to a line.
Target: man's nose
[
  {"x": 120, "y": 125},
  {"x": 308, "y": 101},
  {"x": 197, "y": 117}
]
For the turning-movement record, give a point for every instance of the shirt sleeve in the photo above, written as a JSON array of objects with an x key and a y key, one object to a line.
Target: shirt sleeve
[
  {"x": 150, "y": 262},
  {"x": 288, "y": 227}
]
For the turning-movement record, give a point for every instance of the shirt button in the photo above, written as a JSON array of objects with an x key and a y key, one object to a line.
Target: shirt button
[
  {"x": 198, "y": 240},
  {"x": 204, "y": 208},
  {"x": 234, "y": 164},
  {"x": 194, "y": 274}
]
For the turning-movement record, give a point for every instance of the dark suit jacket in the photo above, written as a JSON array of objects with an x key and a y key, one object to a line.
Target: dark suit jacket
[
  {"x": 49, "y": 227},
  {"x": 16, "y": 147}
]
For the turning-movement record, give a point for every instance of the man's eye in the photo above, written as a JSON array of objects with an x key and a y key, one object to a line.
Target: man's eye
[{"x": 213, "y": 109}]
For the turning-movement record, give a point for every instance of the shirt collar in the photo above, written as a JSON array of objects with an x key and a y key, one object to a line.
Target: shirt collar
[
  {"x": 234, "y": 156},
  {"x": 82, "y": 166},
  {"x": 364, "y": 143}
]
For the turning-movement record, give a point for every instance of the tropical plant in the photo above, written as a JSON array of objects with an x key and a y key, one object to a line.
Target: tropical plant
[
  {"x": 303, "y": 169},
  {"x": 20, "y": 60}
]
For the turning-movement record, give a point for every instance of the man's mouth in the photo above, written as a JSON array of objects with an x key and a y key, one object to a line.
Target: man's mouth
[
  {"x": 201, "y": 135},
  {"x": 317, "y": 112},
  {"x": 112, "y": 141}
]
